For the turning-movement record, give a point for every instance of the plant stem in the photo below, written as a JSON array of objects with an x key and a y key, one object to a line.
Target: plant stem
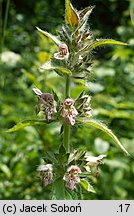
[
  {"x": 66, "y": 133},
  {"x": 67, "y": 87},
  {"x": 5, "y": 24},
  {"x": 66, "y": 137}
]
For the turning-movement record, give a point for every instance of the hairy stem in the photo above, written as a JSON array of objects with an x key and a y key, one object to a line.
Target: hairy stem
[{"x": 66, "y": 133}]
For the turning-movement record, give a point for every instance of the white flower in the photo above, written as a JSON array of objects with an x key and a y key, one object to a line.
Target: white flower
[{"x": 93, "y": 159}]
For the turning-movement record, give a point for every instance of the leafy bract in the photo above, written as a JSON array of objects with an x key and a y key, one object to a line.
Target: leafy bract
[
  {"x": 104, "y": 128},
  {"x": 72, "y": 18},
  {"x": 87, "y": 186},
  {"x": 86, "y": 11},
  {"x": 50, "y": 66},
  {"x": 26, "y": 123},
  {"x": 50, "y": 36},
  {"x": 102, "y": 42},
  {"x": 84, "y": 15}
]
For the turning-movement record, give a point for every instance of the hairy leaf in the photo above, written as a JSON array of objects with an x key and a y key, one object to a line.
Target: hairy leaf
[
  {"x": 72, "y": 17},
  {"x": 52, "y": 37},
  {"x": 26, "y": 123},
  {"x": 104, "y": 128},
  {"x": 86, "y": 11},
  {"x": 102, "y": 42}
]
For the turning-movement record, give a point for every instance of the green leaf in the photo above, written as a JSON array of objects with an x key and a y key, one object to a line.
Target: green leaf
[
  {"x": 101, "y": 42},
  {"x": 104, "y": 128},
  {"x": 52, "y": 37},
  {"x": 55, "y": 96},
  {"x": 26, "y": 123},
  {"x": 62, "y": 150},
  {"x": 58, "y": 192},
  {"x": 87, "y": 186},
  {"x": 68, "y": 195},
  {"x": 50, "y": 157},
  {"x": 71, "y": 15},
  {"x": 49, "y": 66}
]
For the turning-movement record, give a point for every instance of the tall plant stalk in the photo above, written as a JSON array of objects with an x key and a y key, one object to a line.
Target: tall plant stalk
[
  {"x": 66, "y": 128},
  {"x": 73, "y": 61}
]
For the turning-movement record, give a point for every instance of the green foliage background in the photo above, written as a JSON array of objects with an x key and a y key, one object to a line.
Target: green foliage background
[{"x": 111, "y": 87}]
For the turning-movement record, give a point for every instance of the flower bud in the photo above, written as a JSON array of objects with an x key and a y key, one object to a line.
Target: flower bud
[
  {"x": 95, "y": 161},
  {"x": 47, "y": 103},
  {"x": 83, "y": 106},
  {"x": 48, "y": 98}
]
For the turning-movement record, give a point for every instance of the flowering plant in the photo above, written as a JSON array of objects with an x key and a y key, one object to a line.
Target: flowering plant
[{"x": 70, "y": 169}]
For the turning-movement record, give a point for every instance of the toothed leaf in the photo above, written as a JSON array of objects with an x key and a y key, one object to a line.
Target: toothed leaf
[
  {"x": 103, "y": 42},
  {"x": 87, "y": 11},
  {"x": 104, "y": 128}
]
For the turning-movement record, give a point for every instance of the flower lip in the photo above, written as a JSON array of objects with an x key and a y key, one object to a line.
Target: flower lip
[
  {"x": 94, "y": 159},
  {"x": 47, "y": 167},
  {"x": 59, "y": 56},
  {"x": 42, "y": 168},
  {"x": 37, "y": 91}
]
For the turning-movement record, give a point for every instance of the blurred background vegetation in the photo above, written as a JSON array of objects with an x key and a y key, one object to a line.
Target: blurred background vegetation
[{"x": 111, "y": 87}]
